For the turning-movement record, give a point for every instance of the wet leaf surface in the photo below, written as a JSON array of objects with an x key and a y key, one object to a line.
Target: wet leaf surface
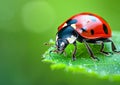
[{"x": 107, "y": 68}]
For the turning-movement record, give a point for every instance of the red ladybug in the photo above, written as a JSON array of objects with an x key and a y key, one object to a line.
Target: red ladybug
[{"x": 86, "y": 28}]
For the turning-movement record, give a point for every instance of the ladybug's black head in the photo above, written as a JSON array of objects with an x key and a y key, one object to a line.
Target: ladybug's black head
[
  {"x": 61, "y": 44},
  {"x": 67, "y": 35}
]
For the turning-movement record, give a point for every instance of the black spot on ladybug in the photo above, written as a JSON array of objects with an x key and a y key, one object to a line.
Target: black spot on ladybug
[
  {"x": 105, "y": 29},
  {"x": 92, "y": 32},
  {"x": 71, "y": 21}
]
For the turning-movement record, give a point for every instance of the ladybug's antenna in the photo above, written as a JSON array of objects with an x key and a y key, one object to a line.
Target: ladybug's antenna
[
  {"x": 47, "y": 44},
  {"x": 51, "y": 44}
]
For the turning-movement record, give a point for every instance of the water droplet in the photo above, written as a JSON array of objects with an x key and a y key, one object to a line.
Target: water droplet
[
  {"x": 70, "y": 64},
  {"x": 89, "y": 70},
  {"x": 84, "y": 64},
  {"x": 103, "y": 73},
  {"x": 115, "y": 59},
  {"x": 80, "y": 66},
  {"x": 38, "y": 16},
  {"x": 118, "y": 72},
  {"x": 95, "y": 67},
  {"x": 51, "y": 41},
  {"x": 115, "y": 68}
]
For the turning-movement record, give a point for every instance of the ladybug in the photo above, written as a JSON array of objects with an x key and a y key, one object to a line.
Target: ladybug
[{"x": 85, "y": 28}]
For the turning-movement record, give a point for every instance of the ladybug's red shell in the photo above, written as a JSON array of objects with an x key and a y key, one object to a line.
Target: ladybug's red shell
[{"x": 90, "y": 26}]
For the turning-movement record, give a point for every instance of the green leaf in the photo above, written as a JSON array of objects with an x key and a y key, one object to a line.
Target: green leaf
[{"x": 107, "y": 68}]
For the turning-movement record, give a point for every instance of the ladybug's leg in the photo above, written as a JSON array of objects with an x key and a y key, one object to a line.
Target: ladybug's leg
[
  {"x": 90, "y": 51},
  {"x": 102, "y": 49},
  {"x": 74, "y": 52},
  {"x": 113, "y": 46}
]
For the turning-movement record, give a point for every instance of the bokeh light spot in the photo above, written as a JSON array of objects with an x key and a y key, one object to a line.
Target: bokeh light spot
[{"x": 38, "y": 16}]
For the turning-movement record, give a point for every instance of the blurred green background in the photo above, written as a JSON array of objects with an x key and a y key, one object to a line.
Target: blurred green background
[{"x": 26, "y": 24}]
